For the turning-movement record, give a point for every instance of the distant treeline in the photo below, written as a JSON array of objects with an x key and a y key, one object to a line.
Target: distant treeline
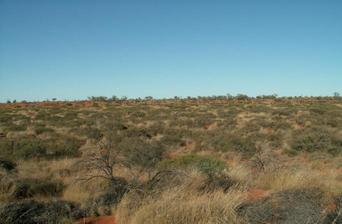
[{"x": 335, "y": 96}]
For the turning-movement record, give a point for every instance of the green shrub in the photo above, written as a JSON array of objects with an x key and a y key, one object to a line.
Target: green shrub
[
  {"x": 231, "y": 142},
  {"x": 205, "y": 164},
  {"x": 316, "y": 140},
  {"x": 33, "y": 212},
  {"x": 137, "y": 132},
  {"x": 16, "y": 127},
  {"x": 29, "y": 147},
  {"x": 94, "y": 133},
  {"x": 28, "y": 187},
  {"x": 5, "y": 117},
  {"x": 71, "y": 115},
  {"x": 171, "y": 140},
  {"x": 111, "y": 197},
  {"x": 7, "y": 165},
  {"x": 286, "y": 207},
  {"x": 243, "y": 145},
  {"x": 42, "y": 129},
  {"x": 141, "y": 153},
  {"x": 138, "y": 114}
]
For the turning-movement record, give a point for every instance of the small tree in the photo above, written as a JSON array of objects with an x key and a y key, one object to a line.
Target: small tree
[
  {"x": 102, "y": 162},
  {"x": 114, "y": 98},
  {"x": 118, "y": 150}
]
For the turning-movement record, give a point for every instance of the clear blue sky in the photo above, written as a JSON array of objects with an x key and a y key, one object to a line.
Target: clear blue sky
[{"x": 72, "y": 49}]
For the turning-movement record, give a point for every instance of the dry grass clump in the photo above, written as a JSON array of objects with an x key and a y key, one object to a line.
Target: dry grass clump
[
  {"x": 183, "y": 207},
  {"x": 328, "y": 180},
  {"x": 240, "y": 173},
  {"x": 128, "y": 206},
  {"x": 185, "y": 202},
  {"x": 286, "y": 179},
  {"x": 77, "y": 193}
]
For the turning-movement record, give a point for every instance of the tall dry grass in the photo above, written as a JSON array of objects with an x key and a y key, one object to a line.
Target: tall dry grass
[
  {"x": 329, "y": 181},
  {"x": 182, "y": 204},
  {"x": 190, "y": 207}
]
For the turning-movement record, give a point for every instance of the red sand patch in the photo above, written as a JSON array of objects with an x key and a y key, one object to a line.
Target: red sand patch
[
  {"x": 97, "y": 220},
  {"x": 255, "y": 194},
  {"x": 331, "y": 207}
]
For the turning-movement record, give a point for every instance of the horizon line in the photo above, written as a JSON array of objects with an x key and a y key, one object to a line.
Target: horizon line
[{"x": 143, "y": 98}]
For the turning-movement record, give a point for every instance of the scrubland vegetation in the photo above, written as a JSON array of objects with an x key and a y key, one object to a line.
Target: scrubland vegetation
[{"x": 196, "y": 160}]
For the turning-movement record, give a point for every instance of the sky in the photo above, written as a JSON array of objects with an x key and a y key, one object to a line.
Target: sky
[{"x": 72, "y": 49}]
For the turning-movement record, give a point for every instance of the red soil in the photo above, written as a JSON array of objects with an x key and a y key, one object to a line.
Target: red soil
[
  {"x": 255, "y": 194},
  {"x": 97, "y": 220}
]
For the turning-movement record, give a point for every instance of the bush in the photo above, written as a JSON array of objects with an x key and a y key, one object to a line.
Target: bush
[
  {"x": 316, "y": 140},
  {"x": 33, "y": 212},
  {"x": 16, "y": 127},
  {"x": 71, "y": 115},
  {"x": 231, "y": 142},
  {"x": 205, "y": 164},
  {"x": 29, "y": 147},
  {"x": 94, "y": 133},
  {"x": 7, "y": 165},
  {"x": 28, "y": 187},
  {"x": 137, "y": 114},
  {"x": 111, "y": 197},
  {"x": 171, "y": 140},
  {"x": 42, "y": 129},
  {"x": 286, "y": 207},
  {"x": 141, "y": 154},
  {"x": 137, "y": 132}
]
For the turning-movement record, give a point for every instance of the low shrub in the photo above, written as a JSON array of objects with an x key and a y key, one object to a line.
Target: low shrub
[
  {"x": 94, "y": 133},
  {"x": 16, "y": 127},
  {"x": 137, "y": 132},
  {"x": 29, "y": 147},
  {"x": 225, "y": 142},
  {"x": 7, "y": 165},
  {"x": 316, "y": 140},
  {"x": 28, "y": 187},
  {"x": 42, "y": 129},
  {"x": 140, "y": 153},
  {"x": 286, "y": 207},
  {"x": 34, "y": 212},
  {"x": 206, "y": 164},
  {"x": 111, "y": 197},
  {"x": 171, "y": 140}
]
